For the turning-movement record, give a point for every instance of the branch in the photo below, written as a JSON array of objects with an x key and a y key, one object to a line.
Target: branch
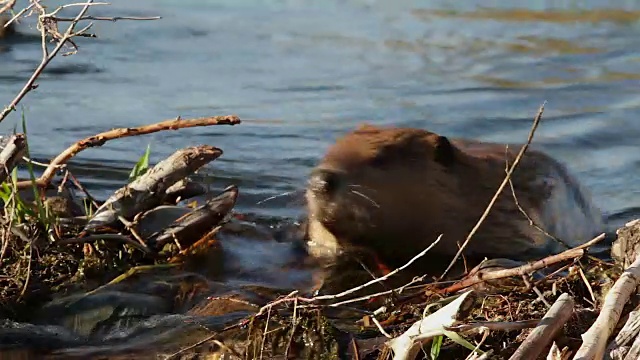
[
  {"x": 47, "y": 24},
  {"x": 101, "y": 138},
  {"x": 380, "y": 279},
  {"x": 8, "y": 5},
  {"x": 11, "y": 155},
  {"x": 146, "y": 192},
  {"x": 114, "y": 19},
  {"x": 30, "y": 85},
  {"x": 595, "y": 339},
  {"x": 547, "y": 329},
  {"x": 524, "y": 269}
]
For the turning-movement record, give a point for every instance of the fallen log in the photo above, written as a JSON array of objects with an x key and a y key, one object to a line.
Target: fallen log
[
  {"x": 187, "y": 229},
  {"x": 148, "y": 190}
]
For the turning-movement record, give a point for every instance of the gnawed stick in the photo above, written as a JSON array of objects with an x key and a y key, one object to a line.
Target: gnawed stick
[
  {"x": 100, "y": 139},
  {"x": 147, "y": 191},
  {"x": 407, "y": 345},
  {"x": 192, "y": 226},
  {"x": 555, "y": 353},
  {"x": 547, "y": 329},
  {"x": 11, "y": 155},
  {"x": 628, "y": 332},
  {"x": 594, "y": 341},
  {"x": 182, "y": 190},
  {"x": 524, "y": 269},
  {"x": 634, "y": 351}
]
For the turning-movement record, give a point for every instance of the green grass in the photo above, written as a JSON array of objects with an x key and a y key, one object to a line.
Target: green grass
[{"x": 141, "y": 166}]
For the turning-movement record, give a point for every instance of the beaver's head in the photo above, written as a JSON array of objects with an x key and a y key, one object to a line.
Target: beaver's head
[{"x": 383, "y": 187}]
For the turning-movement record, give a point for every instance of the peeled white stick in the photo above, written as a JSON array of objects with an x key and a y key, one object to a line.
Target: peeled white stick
[
  {"x": 594, "y": 341},
  {"x": 407, "y": 345},
  {"x": 547, "y": 329}
]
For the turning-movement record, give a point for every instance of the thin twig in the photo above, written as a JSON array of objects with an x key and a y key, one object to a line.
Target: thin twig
[
  {"x": 45, "y": 61},
  {"x": 132, "y": 229},
  {"x": 115, "y": 18},
  {"x": 264, "y": 335},
  {"x": 47, "y": 24},
  {"x": 8, "y": 6},
  {"x": 586, "y": 282},
  {"x": 81, "y": 187},
  {"x": 523, "y": 212},
  {"x": 378, "y": 325},
  {"x": 91, "y": 238},
  {"x": 536, "y": 121},
  {"x": 20, "y": 13},
  {"x": 535, "y": 290},
  {"x": 380, "y": 279},
  {"x": 494, "y": 325}
]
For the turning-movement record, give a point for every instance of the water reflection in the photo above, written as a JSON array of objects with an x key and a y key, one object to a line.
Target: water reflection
[{"x": 546, "y": 15}]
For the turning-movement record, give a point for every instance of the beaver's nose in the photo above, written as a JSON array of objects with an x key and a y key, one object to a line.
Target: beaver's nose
[{"x": 325, "y": 181}]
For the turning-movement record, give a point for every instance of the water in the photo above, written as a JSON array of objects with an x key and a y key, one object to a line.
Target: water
[{"x": 300, "y": 73}]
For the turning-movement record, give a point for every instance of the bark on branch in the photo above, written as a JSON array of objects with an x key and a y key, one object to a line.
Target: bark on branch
[
  {"x": 148, "y": 190},
  {"x": 11, "y": 155},
  {"x": 547, "y": 329},
  {"x": 100, "y": 139}
]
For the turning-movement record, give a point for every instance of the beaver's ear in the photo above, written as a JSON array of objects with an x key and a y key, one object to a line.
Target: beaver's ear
[{"x": 444, "y": 153}]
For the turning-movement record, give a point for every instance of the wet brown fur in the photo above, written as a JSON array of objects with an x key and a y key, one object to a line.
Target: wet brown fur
[
  {"x": 424, "y": 185},
  {"x": 6, "y": 31}
]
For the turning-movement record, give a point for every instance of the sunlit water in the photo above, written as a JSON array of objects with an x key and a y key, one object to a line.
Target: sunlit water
[{"x": 300, "y": 73}]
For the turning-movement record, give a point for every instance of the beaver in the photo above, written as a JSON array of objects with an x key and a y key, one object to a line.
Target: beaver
[
  {"x": 394, "y": 190},
  {"x": 6, "y": 31}
]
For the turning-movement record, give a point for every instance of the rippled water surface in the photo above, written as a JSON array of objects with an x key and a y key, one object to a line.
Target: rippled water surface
[{"x": 300, "y": 73}]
